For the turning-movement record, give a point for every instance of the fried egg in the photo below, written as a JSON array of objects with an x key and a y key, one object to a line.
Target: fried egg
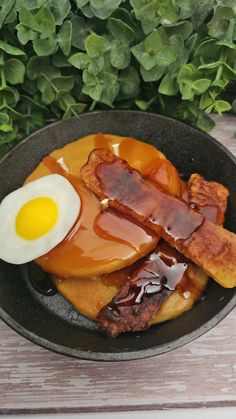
[{"x": 37, "y": 217}]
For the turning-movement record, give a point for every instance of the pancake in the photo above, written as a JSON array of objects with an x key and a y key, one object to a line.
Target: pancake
[{"x": 105, "y": 241}]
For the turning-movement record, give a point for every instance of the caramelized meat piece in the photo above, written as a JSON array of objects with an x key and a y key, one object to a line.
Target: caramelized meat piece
[
  {"x": 209, "y": 198},
  {"x": 142, "y": 294},
  {"x": 140, "y": 299},
  {"x": 209, "y": 246}
]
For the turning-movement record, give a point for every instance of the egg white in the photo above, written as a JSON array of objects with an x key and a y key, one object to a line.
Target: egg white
[{"x": 17, "y": 250}]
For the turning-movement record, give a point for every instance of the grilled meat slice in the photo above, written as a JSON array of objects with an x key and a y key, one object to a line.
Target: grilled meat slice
[
  {"x": 211, "y": 247},
  {"x": 142, "y": 296},
  {"x": 126, "y": 312},
  {"x": 209, "y": 198}
]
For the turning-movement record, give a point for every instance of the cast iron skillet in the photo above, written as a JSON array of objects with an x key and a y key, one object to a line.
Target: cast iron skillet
[{"x": 52, "y": 322}]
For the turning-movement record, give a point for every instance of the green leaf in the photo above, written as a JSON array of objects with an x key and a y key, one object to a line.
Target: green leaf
[
  {"x": 65, "y": 37},
  {"x": 186, "y": 8},
  {"x": 147, "y": 13},
  {"x": 29, "y": 4},
  {"x": 60, "y": 60},
  {"x": 74, "y": 110},
  {"x": 191, "y": 43},
  {"x": 168, "y": 86},
  {"x": 155, "y": 50},
  {"x": 96, "y": 65},
  {"x": 177, "y": 44},
  {"x": 68, "y": 104},
  {"x": 9, "y": 96},
  {"x": 207, "y": 50},
  {"x": 48, "y": 95},
  {"x": 205, "y": 101},
  {"x": 95, "y": 45},
  {"x": 92, "y": 86},
  {"x": 183, "y": 29},
  {"x": 151, "y": 13},
  {"x": 10, "y": 49},
  {"x": 51, "y": 88},
  {"x": 4, "y": 118},
  {"x": 121, "y": 30},
  {"x": 104, "y": 8},
  {"x": 79, "y": 60},
  {"x": 60, "y": 10},
  {"x": 86, "y": 10},
  {"x": 218, "y": 25},
  {"x": 14, "y": 71},
  {"x": 154, "y": 74},
  {"x": 167, "y": 12},
  {"x": 201, "y": 11},
  {"x": 46, "y": 22},
  {"x": 144, "y": 104},
  {"x": 191, "y": 83},
  {"x": 201, "y": 85},
  {"x": 125, "y": 16},
  {"x": 82, "y": 61},
  {"x": 65, "y": 100},
  {"x": 188, "y": 72},
  {"x": 63, "y": 83},
  {"x": 44, "y": 47},
  {"x": 78, "y": 107},
  {"x": 81, "y": 3},
  {"x": 24, "y": 34},
  {"x": 103, "y": 87},
  {"x": 204, "y": 123},
  {"x": 221, "y": 106},
  {"x": 5, "y": 10},
  {"x": 80, "y": 31},
  {"x": 33, "y": 103},
  {"x": 27, "y": 19},
  {"x": 13, "y": 114},
  {"x": 129, "y": 82},
  {"x": 38, "y": 66},
  {"x": 147, "y": 59},
  {"x": 6, "y": 128},
  {"x": 119, "y": 55}
]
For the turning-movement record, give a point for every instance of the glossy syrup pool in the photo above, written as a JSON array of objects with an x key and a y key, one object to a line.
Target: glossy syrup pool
[{"x": 163, "y": 269}]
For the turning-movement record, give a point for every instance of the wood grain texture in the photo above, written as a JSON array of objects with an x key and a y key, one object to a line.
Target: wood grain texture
[{"x": 202, "y": 373}]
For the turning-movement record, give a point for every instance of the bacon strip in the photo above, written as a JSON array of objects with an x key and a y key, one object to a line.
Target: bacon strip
[
  {"x": 211, "y": 247},
  {"x": 142, "y": 296}
]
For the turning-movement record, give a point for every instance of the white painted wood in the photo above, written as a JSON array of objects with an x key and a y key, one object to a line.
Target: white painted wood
[
  {"x": 202, "y": 373},
  {"x": 205, "y": 413}
]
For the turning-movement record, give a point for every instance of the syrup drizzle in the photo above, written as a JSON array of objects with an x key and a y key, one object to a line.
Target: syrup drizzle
[
  {"x": 137, "y": 195},
  {"x": 114, "y": 226},
  {"x": 210, "y": 212},
  {"x": 162, "y": 270}
]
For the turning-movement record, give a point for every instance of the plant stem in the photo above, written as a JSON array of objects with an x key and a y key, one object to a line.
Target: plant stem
[{"x": 3, "y": 78}]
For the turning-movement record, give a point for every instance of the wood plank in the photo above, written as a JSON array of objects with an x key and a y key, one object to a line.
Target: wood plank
[{"x": 202, "y": 373}]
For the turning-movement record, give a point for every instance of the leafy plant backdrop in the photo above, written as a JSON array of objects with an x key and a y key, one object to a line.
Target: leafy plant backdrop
[{"x": 60, "y": 57}]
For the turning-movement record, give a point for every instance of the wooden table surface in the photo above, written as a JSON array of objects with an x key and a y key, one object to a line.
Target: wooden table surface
[{"x": 202, "y": 373}]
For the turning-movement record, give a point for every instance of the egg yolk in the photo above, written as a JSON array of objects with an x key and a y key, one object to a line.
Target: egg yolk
[{"x": 36, "y": 218}]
